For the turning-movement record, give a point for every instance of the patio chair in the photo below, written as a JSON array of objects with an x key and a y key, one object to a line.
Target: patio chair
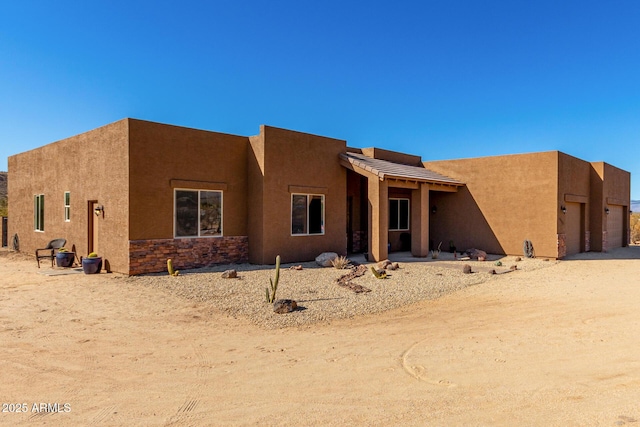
[{"x": 50, "y": 250}]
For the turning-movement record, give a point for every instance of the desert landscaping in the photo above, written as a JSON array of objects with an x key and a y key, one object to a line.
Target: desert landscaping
[{"x": 549, "y": 343}]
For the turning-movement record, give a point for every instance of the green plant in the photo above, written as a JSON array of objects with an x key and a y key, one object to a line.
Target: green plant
[
  {"x": 170, "y": 269},
  {"x": 382, "y": 275},
  {"x": 92, "y": 255},
  {"x": 271, "y": 292},
  {"x": 63, "y": 250},
  {"x": 340, "y": 263},
  {"x": 634, "y": 226},
  {"x": 499, "y": 263}
]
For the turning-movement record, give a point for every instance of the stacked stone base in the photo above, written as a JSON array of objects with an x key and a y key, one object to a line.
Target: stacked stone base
[{"x": 150, "y": 256}]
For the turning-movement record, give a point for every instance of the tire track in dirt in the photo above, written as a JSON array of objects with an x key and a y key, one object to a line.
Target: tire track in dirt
[
  {"x": 419, "y": 372},
  {"x": 185, "y": 414}
]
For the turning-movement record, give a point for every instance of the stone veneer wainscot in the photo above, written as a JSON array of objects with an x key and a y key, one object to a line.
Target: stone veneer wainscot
[{"x": 150, "y": 256}]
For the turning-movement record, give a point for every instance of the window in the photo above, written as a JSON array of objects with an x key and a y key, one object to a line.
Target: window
[
  {"x": 38, "y": 212},
  {"x": 307, "y": 214},
  {"x": 67, "y": 206},
  {"x": 398, "y": 214},
  {"x": 198, "y": 213}
]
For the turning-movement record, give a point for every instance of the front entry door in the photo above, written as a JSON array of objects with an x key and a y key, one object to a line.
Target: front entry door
[{"x": 93, "y": 222}]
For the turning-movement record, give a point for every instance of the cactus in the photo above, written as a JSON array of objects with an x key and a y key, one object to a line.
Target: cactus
[
  {"x": 63, "y": 250},
  {"x": 271, "y": 293},
  {"x": 170, "y": 269},
  {"x": 378, "y": 275},
  {"x": 436, "y": 253},
  {"x": 92, "y": 255}
]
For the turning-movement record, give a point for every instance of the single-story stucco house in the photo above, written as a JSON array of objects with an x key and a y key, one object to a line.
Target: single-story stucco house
[{"x": 139, "y": 192}]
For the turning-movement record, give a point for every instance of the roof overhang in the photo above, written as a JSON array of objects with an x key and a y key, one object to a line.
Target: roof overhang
[{"x": 398, "y": 175}]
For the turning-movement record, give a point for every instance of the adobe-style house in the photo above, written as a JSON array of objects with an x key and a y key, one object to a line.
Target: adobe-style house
[{"x": 139, "y": 193}]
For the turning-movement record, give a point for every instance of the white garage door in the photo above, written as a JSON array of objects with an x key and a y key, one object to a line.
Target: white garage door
[
  {"x": 614, "y": 227},
  {"x": 573, "y": 228}
]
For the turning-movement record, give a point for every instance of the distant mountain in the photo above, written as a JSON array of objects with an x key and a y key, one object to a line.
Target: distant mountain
[{"x": 635, "y": 206}]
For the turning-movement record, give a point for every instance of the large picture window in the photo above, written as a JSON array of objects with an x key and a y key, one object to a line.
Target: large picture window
[
  {"x": 67, "y": 206},
  {"x": 198, "y": 213},
  {"x": 307, "y": 214},
  {"x": 38, "y": 212},
  {"x": 398, "y": 214}
]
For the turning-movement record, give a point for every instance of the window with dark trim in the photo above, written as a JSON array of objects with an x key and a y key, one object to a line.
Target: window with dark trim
[
  {"x": 307, "y": 214},
  {"x": 398, "y": 214},
  {"x": 38, "y": 212},
  {"x": 198, "y": 213},
  {"x": 67, "y": 206}
]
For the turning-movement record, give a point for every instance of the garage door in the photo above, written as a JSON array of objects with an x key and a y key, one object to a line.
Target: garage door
[
  {"x": 614, "y": 227},
  {"x": 573, "y": 228}
]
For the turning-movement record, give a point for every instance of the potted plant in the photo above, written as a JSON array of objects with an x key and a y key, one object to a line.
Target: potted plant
[
  {"x": 64, "y": 258},
  {"x": 92, "y": 264}
]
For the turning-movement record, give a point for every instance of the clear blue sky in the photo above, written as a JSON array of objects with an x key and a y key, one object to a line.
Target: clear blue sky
[{"x": 444, "y": 79}]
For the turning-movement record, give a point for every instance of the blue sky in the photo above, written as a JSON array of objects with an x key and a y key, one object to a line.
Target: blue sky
[{"x": 443, "y": 80}]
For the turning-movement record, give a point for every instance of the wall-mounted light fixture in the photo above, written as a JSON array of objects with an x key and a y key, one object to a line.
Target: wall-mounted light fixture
[
  {"x": 563, "y": 208},
  {"x": 606, "y": 210},
  {"x": 434, "y": 209},
  {"x": 99, "y": 210}
]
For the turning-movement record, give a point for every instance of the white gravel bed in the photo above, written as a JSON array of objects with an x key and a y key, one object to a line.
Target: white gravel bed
[{"x": 318, "y": 296}]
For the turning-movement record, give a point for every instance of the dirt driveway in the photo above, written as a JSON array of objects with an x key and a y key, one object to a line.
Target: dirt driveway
[{"x": 555, "y": 346}]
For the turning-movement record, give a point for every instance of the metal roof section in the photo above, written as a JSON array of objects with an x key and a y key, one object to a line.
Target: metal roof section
[{"x": 389, "y": 170}]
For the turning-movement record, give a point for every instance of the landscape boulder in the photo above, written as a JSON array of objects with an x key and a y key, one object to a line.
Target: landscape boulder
[
  {"x": 230, "y": 274},
  {"x": 383, "y": 264},
  {"x": 466, "y": 269},
  {"x": 477, "y": 254},
  {"x": 325, "y": 258},
  {"x": 393, "y": 266},
  {"x": 283, "y": 306}
]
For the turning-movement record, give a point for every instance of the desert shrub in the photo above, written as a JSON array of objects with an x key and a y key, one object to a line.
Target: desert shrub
[
  {"x": 635, "y": 228},
  {"x": 340, "y": 263}
]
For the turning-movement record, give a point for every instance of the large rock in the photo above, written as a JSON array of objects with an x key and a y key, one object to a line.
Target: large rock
[
  {"x": 283, "y": 306},
  {"x": 477, "y": 254},
  {"x": 383, "y": 264},
  {"x": 230, "y": 274},
  {"x": 325, "y": 258}
]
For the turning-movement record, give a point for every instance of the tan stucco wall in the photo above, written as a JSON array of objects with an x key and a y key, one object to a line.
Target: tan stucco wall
[
  {"x": 92, "y": 166},
  {"x": 506, "y": 200},
  {"x": 574, "y": 186},
  {"x": 609, "y": 184},
  {"x": 392, "y": 156},
  {"x": 302, "y": 162},
  {"x": 165, "y": 157}
]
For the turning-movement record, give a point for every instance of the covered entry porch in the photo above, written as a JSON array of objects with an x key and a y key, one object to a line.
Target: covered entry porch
[{"x": 388, "y": 204}]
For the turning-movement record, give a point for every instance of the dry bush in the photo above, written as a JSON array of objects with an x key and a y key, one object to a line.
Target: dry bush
[
  {"x": 341, "y": 262},
  {"x": 635, "y": 228}
]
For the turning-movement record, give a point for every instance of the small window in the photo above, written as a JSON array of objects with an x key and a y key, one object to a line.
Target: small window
[
  {"x": 307, "y": 214},
  {"x": 38, "y": 212},
  {"x": 398, "y": 214},
  {"x": 198, "y": 213},
  {"x": 67, "y": 206}
]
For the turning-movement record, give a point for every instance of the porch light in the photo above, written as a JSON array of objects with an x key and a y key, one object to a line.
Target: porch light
[
  {"x": 563, "y": 208},
  {"x": 606, "y": 210},
  {"x": 99, "y": 210}
]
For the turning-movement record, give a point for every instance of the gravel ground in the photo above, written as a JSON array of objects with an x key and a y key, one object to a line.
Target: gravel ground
[{"x": 318, "y": 296}]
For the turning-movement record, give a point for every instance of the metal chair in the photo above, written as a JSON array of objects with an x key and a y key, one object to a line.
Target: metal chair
[{"x": 50, "y": 250}]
